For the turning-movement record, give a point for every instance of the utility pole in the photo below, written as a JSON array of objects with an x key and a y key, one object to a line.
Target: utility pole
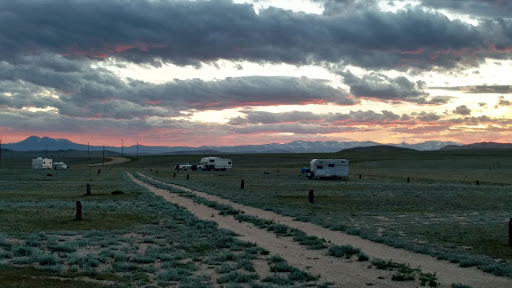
[
  {"x": 137, "y": 148},
  {"x": 87, "y": 148},
  {"x": 122, "y": 147},
  {"x": 1, "y": 152},
  {"x": 103, "y": 154}
]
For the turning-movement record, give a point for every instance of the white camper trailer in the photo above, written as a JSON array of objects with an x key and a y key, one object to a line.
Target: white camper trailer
[
  {"x": 216, "y": 163},
  {"x": 42, "y": 163},
  {"x": 329, "y": 168}
]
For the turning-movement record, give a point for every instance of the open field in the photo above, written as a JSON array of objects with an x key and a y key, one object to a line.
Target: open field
[{"x": 440, "y": 212}]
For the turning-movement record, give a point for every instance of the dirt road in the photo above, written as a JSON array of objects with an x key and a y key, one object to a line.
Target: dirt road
[
  {"x": 342, "y": 272},
  {"x": 111, "y": 161}
]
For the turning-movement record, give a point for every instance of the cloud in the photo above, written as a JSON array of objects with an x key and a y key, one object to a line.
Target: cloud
[
  {"x": 353, "y": 118},
  {"x": 178, "y": 32},
  {"x": 296, "y": 128},
  {"x": 462, "y": 110},
  {"x": 379, "y": 86},
  {"x": 263, "y": 117},
  {"x": 504, "y": 102},
  {"x": 486, "y": 8},
  {"x": 77, "y": 89},
  {"x": 428, "y": 116}
]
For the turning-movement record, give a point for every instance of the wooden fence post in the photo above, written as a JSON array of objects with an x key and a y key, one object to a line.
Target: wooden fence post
[
  {"x": 188, "y": 176},
  {"x": 78, "y": 210},
  {"x": 477, "y": 183},
  {"x": 408, "y": 179},
  {"x": 510, "y": 233},
  {"x": 242, "y": 184},
  {"x": 311, "y": 196},
  {"x": 88, "y": 188}
]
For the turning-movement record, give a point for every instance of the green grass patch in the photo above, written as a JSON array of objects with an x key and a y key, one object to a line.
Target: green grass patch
[
  {"x": 17, "y": 277},
  {"x": 29, "y": 219}
]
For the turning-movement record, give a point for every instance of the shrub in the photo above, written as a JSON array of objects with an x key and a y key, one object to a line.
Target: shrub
[
  {"x": 143, "y": 259},
  {"x": 469, "y": 263},
  {"x": 346, "y": 251},
  {"x": 403, "y": 277},
  {"x": 68, "y": 248},
  {"x": 301, "y": 276},
  {"x": 428, "y": 278},
  {"x": 362, "y": 257},
  {"x": 174, "y": 274},
  {"x": 4, "y": 242},
  {"x": 47, "y": 259},
  {"x": 5, "y": 254},
  {"x": 124, "y": 266},
  {"x": 278, "y": 280},
  {"x": 20, "y": 251}
]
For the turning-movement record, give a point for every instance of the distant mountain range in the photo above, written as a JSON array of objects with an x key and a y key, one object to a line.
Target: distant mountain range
[
  {"x": 35, "y": 143},
  {"x": 482, "y": 145},
  {"x": 378, "y": 148}
]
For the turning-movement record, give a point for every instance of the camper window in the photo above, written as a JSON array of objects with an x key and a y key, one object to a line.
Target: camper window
[
  {"x": 212, "y": 160},
  {"x": 319, "y": 167},
  {"x": 229, "y": 163},
  {"x": 331, "y": 165}
]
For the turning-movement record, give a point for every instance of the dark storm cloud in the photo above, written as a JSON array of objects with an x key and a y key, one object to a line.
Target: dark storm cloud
[
  {"x": 379, "y": 86},
  {"x": 338, "y": 7},
  {"x": 186, "y": 32},
  {"x": 263, "y": 117},
  {"x": 488, "y": 89},
  {"x": 462, "y": 110},
  {"x": 296, "y": 128},
  {"x": 427, "y": 117},
  {"x": 24, "y": 121},
  {"x": 77, "y": 90},
  {"x": 359, "y": 117},
  {"x": 485, "y": 8}
]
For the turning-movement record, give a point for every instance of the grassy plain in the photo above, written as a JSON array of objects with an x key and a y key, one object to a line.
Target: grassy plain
[
  {"x": 441, "y": 211},
  {"x": 129, "y": 238},
  {"x": 134, "y": 238}
]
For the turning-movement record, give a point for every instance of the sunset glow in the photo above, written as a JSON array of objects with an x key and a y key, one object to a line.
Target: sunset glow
[{"x": 255, "y": 72}]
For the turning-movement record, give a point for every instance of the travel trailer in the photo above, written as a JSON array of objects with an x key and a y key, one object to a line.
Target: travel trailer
[
  {"x": 42, "y": 163},
  {"x": 329, "y": 169},
  {"x": 216, "y": 163}
]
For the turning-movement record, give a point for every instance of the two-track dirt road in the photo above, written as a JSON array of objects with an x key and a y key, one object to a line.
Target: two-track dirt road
[{"x": 342, "y": 272}]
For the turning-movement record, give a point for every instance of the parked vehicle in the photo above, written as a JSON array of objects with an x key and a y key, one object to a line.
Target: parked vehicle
[
  {"x": 183, "y": 166},
  {"x": 198, "y": 167},
  {"x": 216, "y": 163},
  {"x": 329, "y": 169},
  {"x": 60, "y": 166}
]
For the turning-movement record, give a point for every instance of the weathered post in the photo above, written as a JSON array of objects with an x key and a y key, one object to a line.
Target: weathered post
[
  {"x": 242, "y": 184},
  {"x": 78, "y": 213},
  {"x": 477, "y": 183},
  {"x": 174, "y": 175},
  {"x": 311, "y": 197},
  {"x": 510, "y": 233},
  {"x": 188, "y": 176},
  {"x": 88, "y": 188},
  {"x": 408, "y": 179},
  {"x": 360, "y": 176}
]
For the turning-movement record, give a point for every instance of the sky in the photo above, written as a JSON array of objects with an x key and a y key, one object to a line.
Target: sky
[{"x": 239, "y": 72}]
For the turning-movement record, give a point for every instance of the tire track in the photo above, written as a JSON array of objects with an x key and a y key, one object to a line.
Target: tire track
[{"x": 342, "y": 272}]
